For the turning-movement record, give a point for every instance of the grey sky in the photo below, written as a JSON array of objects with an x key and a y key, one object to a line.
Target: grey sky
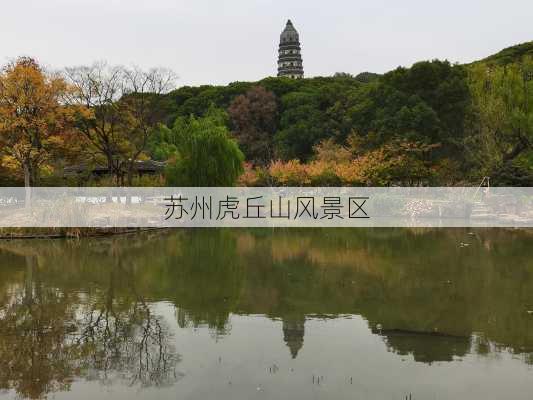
[{"x": 220, "y": 41}]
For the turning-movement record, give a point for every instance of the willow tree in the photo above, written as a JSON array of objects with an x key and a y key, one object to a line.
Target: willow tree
[
  {"x": 32, "y": 116},
  {"x": 205, "y": 153}
]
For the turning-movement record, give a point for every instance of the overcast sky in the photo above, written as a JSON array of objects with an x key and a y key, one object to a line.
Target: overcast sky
[{"x": 221, "y": 41}]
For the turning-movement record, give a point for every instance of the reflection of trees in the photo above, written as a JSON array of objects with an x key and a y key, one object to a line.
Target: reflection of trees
[
  {"x": 426, "y": 294},
  {"x": 50, "y": 336},
  {"x": 125, "y": 337},
  {"x": 413, "y": 281},
  {"x": 419, "y": 285},
  {"x": 35, "y": 349},
  {"x": 205, "y": 279},
  {"x": 426, "y": 347}
]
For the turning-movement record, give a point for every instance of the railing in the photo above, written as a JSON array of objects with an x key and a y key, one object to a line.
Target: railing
[{"x": 485, "y": 179}]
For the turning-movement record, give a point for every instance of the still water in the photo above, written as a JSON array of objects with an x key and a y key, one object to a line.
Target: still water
[{"x": 262, "y": 314}]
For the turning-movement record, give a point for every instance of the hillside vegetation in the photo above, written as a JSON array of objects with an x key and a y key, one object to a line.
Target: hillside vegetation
[
  {"x": 434, "y": 123},
  {"x": 510, "y": 55}
]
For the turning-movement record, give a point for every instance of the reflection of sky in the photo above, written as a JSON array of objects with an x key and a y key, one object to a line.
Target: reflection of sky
[{"x": 252, "y": 361}]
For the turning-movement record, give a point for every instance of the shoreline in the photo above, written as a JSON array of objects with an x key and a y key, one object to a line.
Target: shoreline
[
  {"x": 82, "y": 233},
  {"x": 73, "y": 233}
]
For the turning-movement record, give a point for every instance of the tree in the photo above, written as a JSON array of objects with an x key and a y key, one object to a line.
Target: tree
[
  {"x": 125, "y": 105},
  {"x": 32, "y": 116},
  {"x": 427, "y": 102},
  {"x": 253, "y": 119},
  {"x": 329, "y": 151},
  {"x": 324, "y": 100},
  {"x": 396, "y": 162},
  {"x": 98, "y": 88},
  {"x": 206, "y": 155},
  {"x": 302, "y": 125},
  {"x": 162, "y": 143},
  {"x": 316, "y": 111},
  {"x": 503, "y": 115},
  {"x": 142, "y": 108}
]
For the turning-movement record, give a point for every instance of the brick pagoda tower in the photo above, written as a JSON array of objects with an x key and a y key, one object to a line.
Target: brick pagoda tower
[{"x": 290, "y": 57}]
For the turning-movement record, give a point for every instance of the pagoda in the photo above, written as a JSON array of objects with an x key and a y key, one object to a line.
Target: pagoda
[{"x": 290, "y": 57}]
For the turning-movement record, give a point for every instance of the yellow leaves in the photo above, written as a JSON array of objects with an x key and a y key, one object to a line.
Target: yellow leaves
[
  {"x": 9, "y": 163},
  {"x": 30, "y": 101},
  {"x": 33, "y": 118},
  {"x": 349, "y": 173},
  {"x": 250, "y": 177},
  {"x": 365, "y": 169},
  {"x": 290, "y": 173},
  {"x": 77, "y": 112},
  {"x": 397, "y": 162},
  {"x": 46, "y": 170},
  {"x": 329, "y": 151},
  {"x": 317, "y": 168},
  {"x": 316, "y": 173}
]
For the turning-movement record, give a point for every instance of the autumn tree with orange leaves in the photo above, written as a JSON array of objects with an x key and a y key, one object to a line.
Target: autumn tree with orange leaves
[{"x": 32, "y": 116}]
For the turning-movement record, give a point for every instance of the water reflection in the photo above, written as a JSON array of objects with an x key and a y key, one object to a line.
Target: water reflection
[
  {"x": 426, "y": 347},
  {"x": 51, "y": 334},
  {"x": 293, "y": 333},
  {"x": 72, "y": 310}
]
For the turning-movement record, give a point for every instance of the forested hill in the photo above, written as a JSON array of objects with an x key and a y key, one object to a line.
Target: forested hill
[
  {"x": 434, "y": 123},
  {"x": 510, "y": 55},
  {"x": 427, "y": 100},
  {"x": 444, "y": 113},
  {"x": 189, "y": 100}
]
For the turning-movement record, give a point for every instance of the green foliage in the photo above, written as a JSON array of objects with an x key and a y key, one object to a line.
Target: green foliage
[
  {"x": 320, "y": 99},
  {"x": 367, "y": 77},
  {"x": 197, "y": 100},
  {"x": 427, "y": 102},
  {"x": 162, "y": 144},
  {"x": 510, "y": 55},
  {"x": 205, "y": 154},
  {"x": 282, "y": 86},
  {"x": 477, "y": 120},
  {"x": 302, "y": 125},
  {"x": 502, "y": 119},
  {"x": 317, "y": 111},
  {"x": 513, "y": 174}
]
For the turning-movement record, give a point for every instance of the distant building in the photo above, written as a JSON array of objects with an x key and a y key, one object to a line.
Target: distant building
[
  {"x": 140, "y": 168},
  {"x": 290, "y": 57}
]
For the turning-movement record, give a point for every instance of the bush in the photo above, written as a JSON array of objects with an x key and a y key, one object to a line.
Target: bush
[{"x": 290, "y": 173}]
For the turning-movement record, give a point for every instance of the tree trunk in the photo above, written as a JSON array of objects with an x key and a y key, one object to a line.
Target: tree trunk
[
  {"x": 27, "y": 184},
  {"x": 130, "y": 173},
  {"x": 110, "y": 166},
  {"x": 31, "y": 263}
]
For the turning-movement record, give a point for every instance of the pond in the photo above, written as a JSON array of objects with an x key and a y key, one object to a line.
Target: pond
[{"x": 269, "y": 314}]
